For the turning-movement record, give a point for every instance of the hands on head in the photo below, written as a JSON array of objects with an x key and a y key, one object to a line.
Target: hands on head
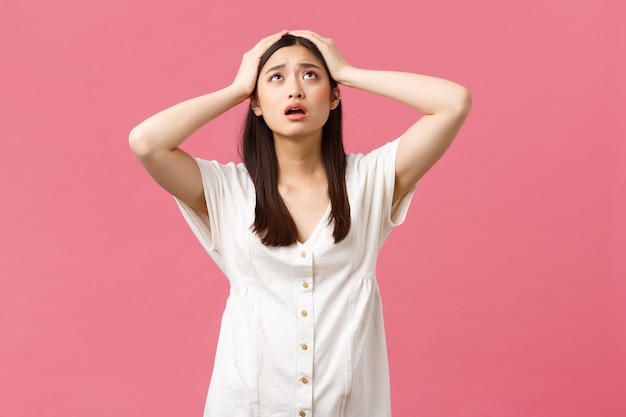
[
  {"x": 248, "y": 69},
  {"x": 247, "y": 74},
  {"x": 334, "y": 60}
]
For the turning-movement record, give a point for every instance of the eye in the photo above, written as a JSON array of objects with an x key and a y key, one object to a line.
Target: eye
[
  {"x": 309, "y": 75},
  {"x": 276, "y": 77}
]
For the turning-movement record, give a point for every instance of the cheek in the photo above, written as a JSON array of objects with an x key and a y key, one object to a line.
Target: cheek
[
  {"x": 266, "y": 96},
  {"x": 320, "y": 94},
  {"x": 270, "y": 106},
  {"x": 322, "y": 100}
]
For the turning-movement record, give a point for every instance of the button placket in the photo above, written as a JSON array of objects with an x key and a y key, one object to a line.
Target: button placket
[{"x": 305, "y": 334}]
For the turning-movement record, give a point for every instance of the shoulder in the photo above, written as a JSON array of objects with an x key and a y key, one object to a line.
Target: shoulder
[
  {"x": 224, "y": 176},
  {"x": 380, "y": 157},
  {"x": 227, "y": 170}
]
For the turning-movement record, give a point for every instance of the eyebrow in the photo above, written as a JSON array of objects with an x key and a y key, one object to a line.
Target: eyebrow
[{"x": 302, "y": 65}]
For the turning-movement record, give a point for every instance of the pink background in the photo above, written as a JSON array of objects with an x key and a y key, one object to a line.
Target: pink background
[{"x": 504, "y": 293}]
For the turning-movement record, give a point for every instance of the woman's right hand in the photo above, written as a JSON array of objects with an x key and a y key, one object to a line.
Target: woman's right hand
[
  {"x": 155, "y": 141},
  {"x": 247, "y": 75}
]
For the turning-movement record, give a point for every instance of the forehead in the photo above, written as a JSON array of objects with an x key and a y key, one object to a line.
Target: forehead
[{"x": 292, "y": 55}]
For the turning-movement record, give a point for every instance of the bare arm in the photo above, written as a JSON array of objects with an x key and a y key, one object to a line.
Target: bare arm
[
  {"x": 444, "y": 104},
  {"x": 155, "y": 141}
]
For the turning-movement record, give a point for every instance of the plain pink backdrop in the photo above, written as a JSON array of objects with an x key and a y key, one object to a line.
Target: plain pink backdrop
[{"x": 504, "y": 292}]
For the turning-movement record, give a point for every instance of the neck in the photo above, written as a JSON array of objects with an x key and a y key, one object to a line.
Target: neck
[{"x": 299, "y": 157}]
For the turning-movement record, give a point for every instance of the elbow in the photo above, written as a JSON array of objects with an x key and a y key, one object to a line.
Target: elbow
[
  {"x": 457, "y": 103},
  {"x": 139, "y": 142},
  {"x": 464, "y": 101}
]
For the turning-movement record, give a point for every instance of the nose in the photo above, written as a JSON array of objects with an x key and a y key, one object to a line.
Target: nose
[
  {"x": 296, "y": 93},
  {"x": 295, "y": 90}
]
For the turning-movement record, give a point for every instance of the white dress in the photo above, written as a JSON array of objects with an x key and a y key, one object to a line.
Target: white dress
[{"x": 302, "y": 333}]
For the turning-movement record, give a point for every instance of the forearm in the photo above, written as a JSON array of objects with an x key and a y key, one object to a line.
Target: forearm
[
  {"x": 429, "y": 95},
  {"x": 170, "y": 127}
]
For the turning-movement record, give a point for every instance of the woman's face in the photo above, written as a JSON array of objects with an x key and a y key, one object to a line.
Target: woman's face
[{"x": 294, "y": 94}]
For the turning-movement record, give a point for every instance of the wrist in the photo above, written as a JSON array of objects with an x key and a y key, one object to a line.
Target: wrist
[
  {"x": 238, "y": 92},
  {"x": 345, "y": 75}
]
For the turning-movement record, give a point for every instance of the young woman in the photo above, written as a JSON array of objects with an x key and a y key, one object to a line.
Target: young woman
[{"x": 297, "y": 226}]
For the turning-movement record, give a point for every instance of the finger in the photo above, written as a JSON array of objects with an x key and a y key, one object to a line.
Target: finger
[
  {"x": 301, "y": 33},
  {"x": 274, "y": 37},
  {"x": 266, "y": 42},
  {"x": 310, "y": 35}
]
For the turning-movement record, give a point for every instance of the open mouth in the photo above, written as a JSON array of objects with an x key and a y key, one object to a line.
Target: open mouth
[{"x": 295, "y": 109}]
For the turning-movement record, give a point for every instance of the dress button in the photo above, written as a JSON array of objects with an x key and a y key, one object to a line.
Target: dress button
[
  {"x": 305, "y": 380},
  {"x": 303, "y": 254},
  {"x": 304, "y": 313},
  {"x": 304, "y": 347},
  {"x": 302, "y": 414},
  {"x": 305, "y": 285}
]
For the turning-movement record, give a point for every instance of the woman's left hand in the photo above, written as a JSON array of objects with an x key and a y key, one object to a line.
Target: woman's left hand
[{"x": 336, "y": 63}]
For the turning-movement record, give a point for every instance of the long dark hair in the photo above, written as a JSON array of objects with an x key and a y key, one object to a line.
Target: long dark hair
[{"x": 273, "y": 222}]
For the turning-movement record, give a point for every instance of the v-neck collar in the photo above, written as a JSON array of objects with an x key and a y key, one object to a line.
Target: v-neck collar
[{"x": 320, "y": 225}]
